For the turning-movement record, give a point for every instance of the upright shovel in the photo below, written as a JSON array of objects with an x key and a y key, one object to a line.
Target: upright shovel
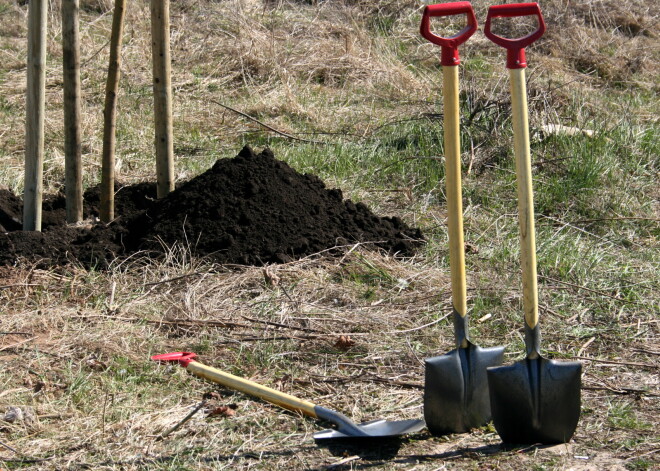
[
  {"x": 535, "y": 400},
  {"x": 456, "y": 390}
]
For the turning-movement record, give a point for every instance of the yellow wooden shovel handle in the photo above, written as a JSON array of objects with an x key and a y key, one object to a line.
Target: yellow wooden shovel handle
[
  {"x": 525, "y": 197},
  {"x": 453, "y": 185},
  {"x": 281, "y": 399}
]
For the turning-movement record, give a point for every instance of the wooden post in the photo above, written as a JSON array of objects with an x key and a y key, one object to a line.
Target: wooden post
[
  {"x": 35, "y": 105},
  {"x": 160, "y": 43},
  {"x": 107, "y": 211},
  {"x": 72, "y": 145}
]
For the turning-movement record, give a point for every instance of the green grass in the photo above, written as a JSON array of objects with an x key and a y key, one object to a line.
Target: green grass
[{"x": 622, "y": 415}]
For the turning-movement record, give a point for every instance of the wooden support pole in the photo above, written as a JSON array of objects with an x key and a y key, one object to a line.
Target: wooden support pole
[
  {"x": 35, "y": 106},
  {"x": 72, "y": 143},
  {"x": 160, "y": 42},
  {"x": 107, "y": 211}
]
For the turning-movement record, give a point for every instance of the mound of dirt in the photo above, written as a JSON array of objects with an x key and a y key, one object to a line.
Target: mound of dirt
[{"x": 249, "y": 210}]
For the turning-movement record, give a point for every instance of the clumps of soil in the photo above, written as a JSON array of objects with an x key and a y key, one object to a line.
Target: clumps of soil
[{"x": 249, "y": 210}]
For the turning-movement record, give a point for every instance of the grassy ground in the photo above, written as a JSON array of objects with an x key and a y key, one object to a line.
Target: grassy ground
[{"x": 360, "y": 90}]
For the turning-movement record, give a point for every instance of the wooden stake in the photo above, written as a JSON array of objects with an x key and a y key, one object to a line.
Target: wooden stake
[
  {"x": 107, "y": 210},
  {"x": 35, "y": 105},
  {"x": 160, "y": 42},
  {"x": 72, "y": 145}
]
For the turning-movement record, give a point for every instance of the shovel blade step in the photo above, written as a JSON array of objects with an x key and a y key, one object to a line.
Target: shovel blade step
[
  {"x": 456, "y": 396},
  {"x": 535, "y": 400}
]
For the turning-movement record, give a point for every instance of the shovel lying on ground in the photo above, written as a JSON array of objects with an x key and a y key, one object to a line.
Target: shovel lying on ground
[
  {"x": 456, "y": 388},
  {"x": 535, "y": 400},
  {"x": 345, "y": 427}
]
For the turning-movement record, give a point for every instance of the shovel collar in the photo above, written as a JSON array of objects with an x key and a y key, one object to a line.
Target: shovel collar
[
  {"x": 533, "y": 341},
  {"x": 461, "y": 330}
]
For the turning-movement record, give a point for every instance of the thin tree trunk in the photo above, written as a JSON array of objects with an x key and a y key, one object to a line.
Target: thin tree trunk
[
  {"x": 35, "y": 105},
  {"x": 107, "y": 211},
  {"x": 72, "y": 143},
  {"x": 160, "y": 41}
]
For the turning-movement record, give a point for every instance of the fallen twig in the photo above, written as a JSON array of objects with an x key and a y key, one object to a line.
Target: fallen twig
[
  {"x": 17, "y": 344},
  {"x": 583, "y": 348},
  {"x": 183, "y": 421},
  {"x": 20, "y": 285},
  {"x": 613, "y": 362},
  {"x": 648, "y": 352},
  {"x": 591, "y": 290},
  {"x": 403, "y": 384},
  {"x": 637, "y": 456},
  {"x": 568, "y": 224},
  {"x": 175, "y": 322},
  {"x": 419, "y": 327},
  {"x": 343, "y": 462},
  {"x": 620, "y": 391},
  {"x": 176, "y": 278},
  {"x": 616, "y": 219},
  {"x": 364, "y": 378},
  {"x": 10, "y": 448},
  {"x": 277, "y": 324},
  {"x": 276, "y": 131}
]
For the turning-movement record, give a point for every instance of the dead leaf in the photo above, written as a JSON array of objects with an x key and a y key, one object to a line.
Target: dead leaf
[
  {"x": 344, "y": 343},
  {"x": 95, "y": 364},
  {"x": 471, "y": 248},
  {"x": 271, "y": 278},
  {"x": 223, "y": 411},
  {"x": 212, "y": 395}
]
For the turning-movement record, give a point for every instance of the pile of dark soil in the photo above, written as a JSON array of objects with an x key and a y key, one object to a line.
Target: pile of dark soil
[{"x": 250, "y": 210}]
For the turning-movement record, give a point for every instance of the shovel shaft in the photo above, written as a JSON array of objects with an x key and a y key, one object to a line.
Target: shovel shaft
[
  {"x": 236, "y": 383},
  {"x": 525, "y": 197},
  {"x": 454, "y": 193}
]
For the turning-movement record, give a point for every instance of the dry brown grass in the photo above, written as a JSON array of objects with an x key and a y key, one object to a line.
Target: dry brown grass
[
  {"x": 288, "y": 63},
  {"x": 349, "y": 333}
]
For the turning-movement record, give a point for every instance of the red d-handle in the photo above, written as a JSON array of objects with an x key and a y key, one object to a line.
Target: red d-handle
[
  {"x": 449, "y": 45},
  {"x": 515, "y": 58},
  {"x": 182, "y": 358}
]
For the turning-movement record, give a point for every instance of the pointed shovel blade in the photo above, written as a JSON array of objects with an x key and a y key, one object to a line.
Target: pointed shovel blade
[
  {"x": 535, "y": 400},
  {"x": 456, "y": 396},
  {"x": 376, "y": 428}
]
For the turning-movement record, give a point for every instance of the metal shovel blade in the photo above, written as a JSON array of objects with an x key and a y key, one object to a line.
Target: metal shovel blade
[
  {"x": 372, "y": 429},
  {"x": 456, "y": 396},
  {"x": 535, "y": 400}
]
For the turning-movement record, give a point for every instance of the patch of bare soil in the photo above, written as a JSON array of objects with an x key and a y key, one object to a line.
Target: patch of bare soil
[{"x": 249, "y": 210}]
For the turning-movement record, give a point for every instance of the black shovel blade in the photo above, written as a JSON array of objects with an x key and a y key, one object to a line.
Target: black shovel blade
[
  {"x": 456, "y": 396},
  {"x": 535, "y": 400}
]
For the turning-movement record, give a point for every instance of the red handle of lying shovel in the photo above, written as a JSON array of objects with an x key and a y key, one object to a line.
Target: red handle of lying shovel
[
  {"x": 516, "y": 46},
  {"x": 449, "y": 45}
]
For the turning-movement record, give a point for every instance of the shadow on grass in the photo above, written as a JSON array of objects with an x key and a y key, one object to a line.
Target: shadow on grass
[
  {"x": 368, "y": 453},
  {"x": 386, "y": 453},
  {"x": 366, "y": 448}
]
